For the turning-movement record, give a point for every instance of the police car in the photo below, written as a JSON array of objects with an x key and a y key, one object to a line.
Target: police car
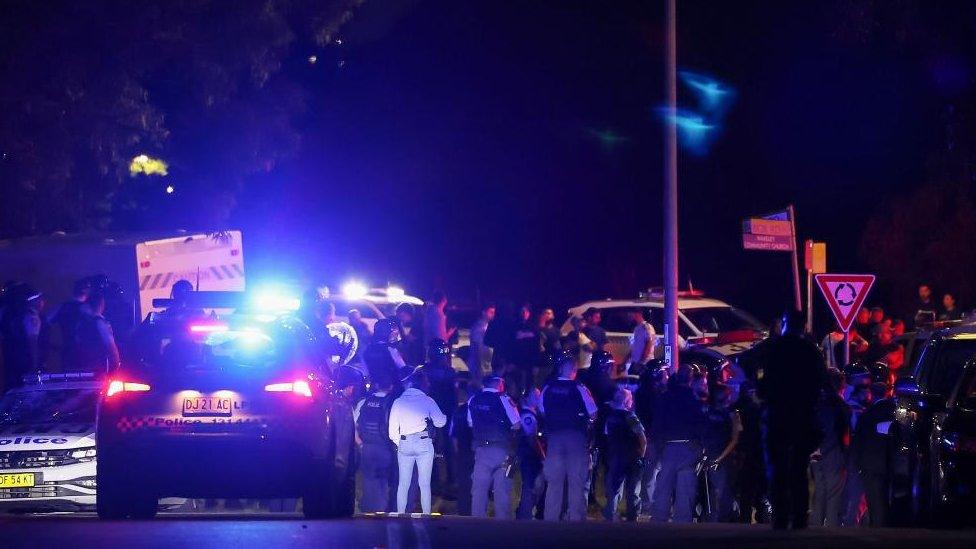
[
  {"x": 703, "y": 323},
  {"x": 239, "y": 406},
  {"x": 47, "y": 444}
]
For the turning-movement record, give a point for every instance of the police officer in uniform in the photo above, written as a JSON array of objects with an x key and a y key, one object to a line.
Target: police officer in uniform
[
  {"x": 377, "y": 453},
  {"x": 568, "y": 410},
  {"x": 493, "y": 419},
  {"x": 677, "y": 423},
  {"x": 626, "y": 444},
  {"x": 382, "y": 357},
  {"x": 719, "y": 439},
  {"x": 443, "y": 389}
]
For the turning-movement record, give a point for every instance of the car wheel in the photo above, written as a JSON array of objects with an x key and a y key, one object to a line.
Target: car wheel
[
  {"x": 920, "y": 498},
  {"x": 144, "y": 506},
  {"x": 111, "y": 498}
]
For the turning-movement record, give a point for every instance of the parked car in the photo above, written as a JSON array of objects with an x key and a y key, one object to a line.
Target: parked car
[
  {"x": 703, "y": 322},
  {"x": 925, "y": 400}
]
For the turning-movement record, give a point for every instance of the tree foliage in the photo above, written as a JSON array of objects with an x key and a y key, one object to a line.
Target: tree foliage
[{"x": 203, "y": 84}]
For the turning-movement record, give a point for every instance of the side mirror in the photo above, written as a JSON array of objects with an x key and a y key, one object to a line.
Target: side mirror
[{"x": 907, "y": 387}]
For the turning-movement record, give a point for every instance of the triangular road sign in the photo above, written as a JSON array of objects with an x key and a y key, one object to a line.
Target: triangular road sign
[{"x": 845, "y": 294}]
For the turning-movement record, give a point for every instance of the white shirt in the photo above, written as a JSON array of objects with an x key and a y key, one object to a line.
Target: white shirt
[
  {"x": 507, "y": 404},
  {"x": 643, "y": 336},
  {"x": 588, "y": 401},
  {"x": 409, "y": 414}
]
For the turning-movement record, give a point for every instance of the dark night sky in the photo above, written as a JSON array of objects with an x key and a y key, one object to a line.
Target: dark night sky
[{"x": 458, "y": 146}]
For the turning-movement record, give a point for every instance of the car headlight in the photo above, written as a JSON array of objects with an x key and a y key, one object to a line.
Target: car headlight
[{"x": 84, "y": 453}]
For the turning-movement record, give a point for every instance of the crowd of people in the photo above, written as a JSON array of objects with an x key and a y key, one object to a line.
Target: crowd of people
[{"x": 558, "y": 416}]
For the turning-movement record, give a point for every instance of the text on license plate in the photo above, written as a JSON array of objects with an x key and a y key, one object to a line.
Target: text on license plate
[
  {"x": 17, "y": 480},
  {"x": 207, "y": 406}
]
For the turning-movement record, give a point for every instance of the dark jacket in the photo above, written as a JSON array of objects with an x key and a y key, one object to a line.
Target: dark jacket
[
  {"x": 678, "y": 416},
  {"x": 835, "y": 421},
  {"x": 790, "y": 380},
  {"x": 872, "y": 449}
]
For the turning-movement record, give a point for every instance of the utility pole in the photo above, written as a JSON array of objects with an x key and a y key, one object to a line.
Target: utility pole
[{"x": 671, "y": 195}]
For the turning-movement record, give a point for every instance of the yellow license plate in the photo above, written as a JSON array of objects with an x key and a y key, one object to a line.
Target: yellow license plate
[{"x": 17, "y": 480}]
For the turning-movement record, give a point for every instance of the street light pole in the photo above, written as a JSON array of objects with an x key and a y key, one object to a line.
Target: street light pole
[{"x": 671, "y": 195}]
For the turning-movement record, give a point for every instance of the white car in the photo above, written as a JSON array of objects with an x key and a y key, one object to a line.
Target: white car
[
  {"x": 47, "y": 444},
  {"x": 703, "y": 322}
]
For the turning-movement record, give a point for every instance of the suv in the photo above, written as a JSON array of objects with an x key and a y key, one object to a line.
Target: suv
[
  {"x": 237, "y": 407},
  {"x": 925, "y": 399},
  {"x": 703, "y": 322},
  {"x": 47, "y": 444}
]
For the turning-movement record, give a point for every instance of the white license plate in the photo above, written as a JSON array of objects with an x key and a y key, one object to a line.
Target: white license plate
[{"x": 210, "y": 406}]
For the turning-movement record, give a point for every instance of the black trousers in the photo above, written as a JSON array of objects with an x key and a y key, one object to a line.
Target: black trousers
[
  {"x": 876, "y": 492},
  {"x": 788, "y": 458}
]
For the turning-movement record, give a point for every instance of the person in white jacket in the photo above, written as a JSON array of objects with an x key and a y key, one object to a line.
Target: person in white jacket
[{"x": 409, "y": 430}]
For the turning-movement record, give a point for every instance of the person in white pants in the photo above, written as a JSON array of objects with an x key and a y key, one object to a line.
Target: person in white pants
[{"x": 409, "y": 418}]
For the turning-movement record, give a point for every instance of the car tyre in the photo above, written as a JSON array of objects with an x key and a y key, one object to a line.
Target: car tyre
[{"x": 112, "y": 501}]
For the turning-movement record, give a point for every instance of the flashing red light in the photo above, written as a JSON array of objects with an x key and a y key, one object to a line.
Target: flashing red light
[
  {"x": 117, "y": 386},
  {"x": 298, "y": 386}
]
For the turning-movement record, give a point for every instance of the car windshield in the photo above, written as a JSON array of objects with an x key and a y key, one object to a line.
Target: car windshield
[
  {"x": 950, "y": 361},
  {"x": 721, "y": 319},
  {"x": 219, "y": 350},
  {"x": 48, "y": 406}
]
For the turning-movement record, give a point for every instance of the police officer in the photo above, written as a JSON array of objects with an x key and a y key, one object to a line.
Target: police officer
[
  {"x": 791, "y": 377},
  {"x": 67, "y": 317},
  {"x": 20, "y": 332},
  {"x": 828, "y": 466},
  {"x": 677, "y": 423},
  {"x": 626, "y": 444},
  {"x": 872, "y": 448},
  {"x": 652, "y": 383},
  {"x": 531, "y": 456},
  {"x": 720, "y": 438},
  {"x": 493, "y": 419},
  {"x": 378, "y": 454},
  {"x": 382, "y": 356},
  {"x": 443, "y": 389},
  {"x": 568, "y": 410},
  {"x": 96, "y": 346}
]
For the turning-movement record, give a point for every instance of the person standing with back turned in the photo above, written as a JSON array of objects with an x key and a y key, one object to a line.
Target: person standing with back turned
[
  {"x": 411, "y": 417},
  {"x": 791, "y": 379},
  {"x": 568, "y": 410}
]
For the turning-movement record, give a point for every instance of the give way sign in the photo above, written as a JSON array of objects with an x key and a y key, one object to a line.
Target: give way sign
[{"x": 845, "y": 294}]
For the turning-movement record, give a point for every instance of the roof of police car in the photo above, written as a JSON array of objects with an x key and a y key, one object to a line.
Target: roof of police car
[{"x": 683, "y": 303}]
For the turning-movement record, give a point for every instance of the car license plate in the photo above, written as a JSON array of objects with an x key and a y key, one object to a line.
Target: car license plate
[
  {"x": 17, "y": 480},
  {"x": 210, "y": 406}
]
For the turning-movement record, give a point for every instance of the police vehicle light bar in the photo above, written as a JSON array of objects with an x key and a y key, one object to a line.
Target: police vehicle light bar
[
  {"x": 354, "y": 290},
  {"x": 299, "y": 386},
  {"x": 117, "y": 386}
]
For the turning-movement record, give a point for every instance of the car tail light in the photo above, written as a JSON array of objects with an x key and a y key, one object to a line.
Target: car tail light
[
  {"x": 116, "y": 386},
  {"x": 299, "y": 386}
]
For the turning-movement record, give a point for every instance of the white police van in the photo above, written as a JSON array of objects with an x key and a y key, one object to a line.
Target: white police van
[{"x": 47, "y": 444}]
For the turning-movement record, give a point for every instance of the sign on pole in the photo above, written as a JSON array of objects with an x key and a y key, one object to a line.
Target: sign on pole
[
  {"x": 775, "y": 232},
  {"x": 772, "y": 235},
  {"x": 845, "y": 294}
]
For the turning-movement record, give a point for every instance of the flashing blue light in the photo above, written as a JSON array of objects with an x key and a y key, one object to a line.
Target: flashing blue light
[
  {"x": 694, "y": 133},
  {"x": 714, "y": 96},
  {"x": 274, "y": 300}
]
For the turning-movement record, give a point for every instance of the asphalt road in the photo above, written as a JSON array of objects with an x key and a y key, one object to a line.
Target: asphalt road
[{"x": 243, "y": 531}]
